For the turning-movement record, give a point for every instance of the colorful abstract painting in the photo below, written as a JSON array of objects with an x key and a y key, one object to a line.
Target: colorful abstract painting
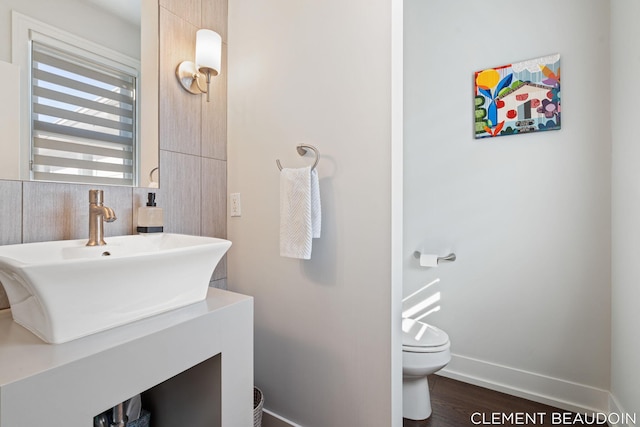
[{"x": 518, "y": 98}]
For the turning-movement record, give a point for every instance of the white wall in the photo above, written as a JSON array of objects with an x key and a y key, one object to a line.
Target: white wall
[
  {"x": 625, "y": 52},
  {"x": 319, "y": 73},
  {"x": 75, "y": 16},
  {"x": 10, "y": 119},
  {"x": 527, "y": 303}
]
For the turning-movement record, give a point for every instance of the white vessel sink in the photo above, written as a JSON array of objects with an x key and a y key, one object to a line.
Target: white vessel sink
[{"x": 64, "y": 290}]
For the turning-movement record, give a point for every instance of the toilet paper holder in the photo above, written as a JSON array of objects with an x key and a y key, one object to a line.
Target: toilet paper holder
[{"x": 450, "y": 258}]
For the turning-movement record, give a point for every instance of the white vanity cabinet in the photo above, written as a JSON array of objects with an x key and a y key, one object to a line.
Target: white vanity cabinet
[{"x": 193, "y": 365}]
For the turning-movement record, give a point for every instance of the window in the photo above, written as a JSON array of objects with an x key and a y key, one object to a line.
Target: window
[
  {"x": 82, "y": 108},
  {"x": 82, "y": 119}
]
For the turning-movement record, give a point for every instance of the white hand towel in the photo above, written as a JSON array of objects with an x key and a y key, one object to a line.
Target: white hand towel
[
  {"x": 316, "y": 210},
  {"x": 299, "y": 211}
]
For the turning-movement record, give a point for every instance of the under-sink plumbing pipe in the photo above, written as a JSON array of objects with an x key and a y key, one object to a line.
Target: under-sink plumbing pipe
[{"x": 119, "y": 417}]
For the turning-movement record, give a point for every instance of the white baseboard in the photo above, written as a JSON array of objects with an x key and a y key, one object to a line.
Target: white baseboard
[
  {"x": 627, "y": 420},
  {"x": 555, "y": 392},
  {"x": 271, "y": 419},
  {"x": 614, "y": 407},
  {"x": 566, "y": 395}
]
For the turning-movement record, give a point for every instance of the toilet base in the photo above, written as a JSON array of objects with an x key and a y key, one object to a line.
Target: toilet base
[{"x": 416, "y": 401}]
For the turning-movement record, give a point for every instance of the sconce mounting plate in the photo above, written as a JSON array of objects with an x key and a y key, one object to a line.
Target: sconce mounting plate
[{"x": 190, "y": 79}]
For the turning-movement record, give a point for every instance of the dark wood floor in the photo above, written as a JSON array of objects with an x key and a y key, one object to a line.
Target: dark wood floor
[{"x": 457, "y": 404}]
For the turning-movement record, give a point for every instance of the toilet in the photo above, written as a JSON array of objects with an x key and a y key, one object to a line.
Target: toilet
[{"x": 425, "y": 350}]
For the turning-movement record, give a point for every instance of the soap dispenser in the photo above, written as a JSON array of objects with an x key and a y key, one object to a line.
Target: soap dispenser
[{"x": 150, "y": 218}]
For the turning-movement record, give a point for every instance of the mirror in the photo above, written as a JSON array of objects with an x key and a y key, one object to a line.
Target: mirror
[{"x": 129, "y": 27}]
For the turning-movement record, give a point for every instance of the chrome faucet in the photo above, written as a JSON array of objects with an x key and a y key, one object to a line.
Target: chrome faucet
[{"x": 98, "y": 213}]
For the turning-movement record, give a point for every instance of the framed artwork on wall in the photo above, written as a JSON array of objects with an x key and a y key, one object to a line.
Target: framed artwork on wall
[{"x": 518, "y": 98}]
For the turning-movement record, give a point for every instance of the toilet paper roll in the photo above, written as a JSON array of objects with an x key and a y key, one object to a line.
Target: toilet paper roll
[{"x": 428, "y": 260}]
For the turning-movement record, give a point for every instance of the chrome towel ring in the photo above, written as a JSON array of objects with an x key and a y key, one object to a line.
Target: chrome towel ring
[{"x": 302, "y": 150}]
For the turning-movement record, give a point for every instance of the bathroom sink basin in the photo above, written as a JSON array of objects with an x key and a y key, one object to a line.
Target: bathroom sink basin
[{"x": 63, "y": 290}]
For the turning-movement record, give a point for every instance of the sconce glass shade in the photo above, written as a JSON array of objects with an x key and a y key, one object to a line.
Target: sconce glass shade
[
  {"x": 193, "y": 75},
  {"x": 208, "y": 51}
]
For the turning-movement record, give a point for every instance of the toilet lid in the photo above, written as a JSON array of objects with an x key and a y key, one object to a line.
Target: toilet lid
[{"x": 416, "y": 334}]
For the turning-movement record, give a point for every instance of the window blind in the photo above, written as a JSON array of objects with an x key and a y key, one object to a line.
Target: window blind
[{"x": 83, "y": 119}]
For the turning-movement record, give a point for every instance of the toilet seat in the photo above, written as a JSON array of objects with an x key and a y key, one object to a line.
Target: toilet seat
[{"x": 419, "y": 337}]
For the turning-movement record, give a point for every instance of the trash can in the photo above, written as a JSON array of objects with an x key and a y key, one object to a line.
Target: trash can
[
  {"x": 258, "y": 403},
  {"x": 143, "y": 421}
]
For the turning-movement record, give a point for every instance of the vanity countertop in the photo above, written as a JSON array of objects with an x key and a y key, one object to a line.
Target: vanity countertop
[{"x": 122, "y": 361}]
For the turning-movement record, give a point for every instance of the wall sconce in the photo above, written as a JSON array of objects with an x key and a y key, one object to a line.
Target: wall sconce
[{"x": 207, "y": 63}]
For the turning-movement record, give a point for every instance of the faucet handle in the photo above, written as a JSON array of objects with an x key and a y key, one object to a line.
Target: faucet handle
[{"x": 96, "y": 197}]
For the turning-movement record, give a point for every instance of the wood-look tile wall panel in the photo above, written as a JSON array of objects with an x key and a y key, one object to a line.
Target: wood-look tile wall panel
[
  {"x": 51, "y": 212},
  {"x": 10, "y": 221},
  {"x": 180, "y": 111},
  {"x": 182, "y": 116},
  {"x": 4, "y": 301},
  {"x": 181, "y": 192},
  {"x": 55, "y": 211},
  {"x": 214, "y": 16},
  {"x": 221, "y": 270},
  {"x": 220, "y": 284},
  {"x": 214, "y": 205},
  {"x": 214, "y": 115},
  {"x": 10, "y": 212},
  {"x": 189, "y": 10}
]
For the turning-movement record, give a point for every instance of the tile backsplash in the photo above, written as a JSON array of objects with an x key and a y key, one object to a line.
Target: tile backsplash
[{"x": 10, "y": 212}]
